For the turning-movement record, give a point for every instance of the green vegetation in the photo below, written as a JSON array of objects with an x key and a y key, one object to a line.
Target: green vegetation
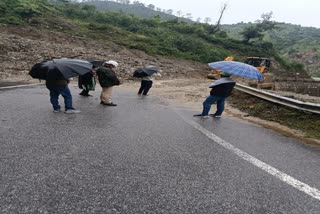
[
  {"x": 155, "y": 35},
  {"x": 175, "y": 37},
  {"x": 257, "y": 30},
  {"x": 287, "y": 38},
  {"x": 136, "y": 8}
]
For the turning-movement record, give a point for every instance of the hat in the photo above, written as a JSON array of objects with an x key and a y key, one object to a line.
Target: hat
[
  {"x": 225, "y": 74},
  {"x": 111, "y": 62}
]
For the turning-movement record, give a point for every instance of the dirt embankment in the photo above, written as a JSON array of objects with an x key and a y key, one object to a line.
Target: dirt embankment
[{"x": 20, "y": 48}]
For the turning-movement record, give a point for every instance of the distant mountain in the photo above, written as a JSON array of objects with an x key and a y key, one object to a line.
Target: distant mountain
[
  {"x": 287, "y": 38},
  {"x": 301, "y": 44}
]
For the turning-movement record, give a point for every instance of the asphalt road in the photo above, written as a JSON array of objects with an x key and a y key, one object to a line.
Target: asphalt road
[{"x": 145, "y": 156}]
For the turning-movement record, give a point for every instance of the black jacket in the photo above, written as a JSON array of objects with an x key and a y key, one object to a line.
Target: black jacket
[
  {"x": 222, "y": 90},
  {"x": 107, "y": 77}
]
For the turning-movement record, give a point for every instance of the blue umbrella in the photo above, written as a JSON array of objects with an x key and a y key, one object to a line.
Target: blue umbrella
[{"x": 238, "y": 69}]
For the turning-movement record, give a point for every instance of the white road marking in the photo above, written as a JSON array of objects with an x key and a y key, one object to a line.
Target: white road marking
[
  {"x": 20, "y": 86},
  {"x": 313, "y": 192}
]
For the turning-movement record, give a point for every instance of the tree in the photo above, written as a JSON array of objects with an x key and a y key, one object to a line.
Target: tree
[
  {"x": 170, "y": 11},
  {"x": 189, "y": 16},
  {"x": 266, "y": 24},
  {"x": 256, "y": 30},
  {"x": 250, "y": 32},
  {"x": 151, "y": 6},
  {"x": 138, "y": 3},
  {"x": 216, "y": 27},
  {"x": 124, "y": 1},
  {"x": 207, "y": 20}
]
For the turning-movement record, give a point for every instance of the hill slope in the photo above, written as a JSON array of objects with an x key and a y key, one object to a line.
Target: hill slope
[
  {"x": 22, "y": 47},
  {"x": 136, "y": 9},
  {"x": 291, "y": 41},
  {"x": 300, "y": 44}
]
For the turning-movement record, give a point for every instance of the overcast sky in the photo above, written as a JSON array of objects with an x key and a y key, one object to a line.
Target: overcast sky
[{"x": 301, "y": 12}]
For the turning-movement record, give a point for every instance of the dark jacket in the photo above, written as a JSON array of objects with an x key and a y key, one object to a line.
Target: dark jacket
[
  {"x": 107, "y": 77},
  {"x": 55, "y": 78},
  {"x": 87, "y": 81},
  {"x": 222, "y": 90}
]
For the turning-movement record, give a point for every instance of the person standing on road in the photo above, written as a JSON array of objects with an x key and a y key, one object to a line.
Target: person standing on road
[
  {"x": 146, "y": 83},
  {"x": 107, "y": 79},
  {"x": 221, "y": 89},
  {"x": 87, "y": 83},
  {"x": 58, "y": 85}
]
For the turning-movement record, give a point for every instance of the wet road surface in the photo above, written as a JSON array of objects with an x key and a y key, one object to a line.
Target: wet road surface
[{"x": 145, "y": 156}]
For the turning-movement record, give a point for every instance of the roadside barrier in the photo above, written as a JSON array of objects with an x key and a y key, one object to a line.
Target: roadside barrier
[{"x": 297, "y": 104}]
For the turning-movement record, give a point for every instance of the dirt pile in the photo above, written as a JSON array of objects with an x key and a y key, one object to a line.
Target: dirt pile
[
  {"x": 20, "y": 48},
  {"x": 310, "y": 59}
]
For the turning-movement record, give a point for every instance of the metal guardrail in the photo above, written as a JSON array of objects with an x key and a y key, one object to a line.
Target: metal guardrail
[{"x": 297, "y": 104}]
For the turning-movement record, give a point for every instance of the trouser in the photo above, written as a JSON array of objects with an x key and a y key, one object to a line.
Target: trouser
[
  {"x": 211, "y": 100},
  {"x": 145, "y": 87},
  {"x": 55, "y": 91},
  {"x": 106, "y": 94}
]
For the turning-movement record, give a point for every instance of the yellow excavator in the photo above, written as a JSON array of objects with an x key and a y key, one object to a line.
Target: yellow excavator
[{"x": 261, "y": 63}]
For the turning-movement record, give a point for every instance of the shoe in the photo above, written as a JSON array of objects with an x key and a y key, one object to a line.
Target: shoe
[
  {"x": 197, "y": 115},
  {"x": 72, "y": 111},
  {"x": 108, "y": 104},
  {"x": 56, "y": 110},
  {"x": 213, "y": 115},
  {"x": 85, "y": 95},
  {"x": 201, "y": 116}
]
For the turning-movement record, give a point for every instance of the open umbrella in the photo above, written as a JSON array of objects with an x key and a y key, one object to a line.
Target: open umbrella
[
  {"x": 146, "y": 71},
  {"x": 57, "y": 68},
  {"x": 221, "y": 81},
  {"x": 96, "y": 63},
  {"x": 237, "y": 69}
]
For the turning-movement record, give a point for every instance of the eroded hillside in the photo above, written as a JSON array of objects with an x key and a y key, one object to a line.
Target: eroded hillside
[{"x": 20, "y": 48}]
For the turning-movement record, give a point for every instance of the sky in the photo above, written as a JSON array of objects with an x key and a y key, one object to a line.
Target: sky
[{"x": 300, "y": 12}]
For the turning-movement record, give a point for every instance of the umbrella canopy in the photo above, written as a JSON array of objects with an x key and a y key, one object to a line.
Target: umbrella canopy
[
  {"x": 96, "y": 63},
  {"x": 221, "y": 81},
  {"x": 60, "y": 68},
  {"x": 146, "y": 71},
  {"x": 238, "y": 69}
]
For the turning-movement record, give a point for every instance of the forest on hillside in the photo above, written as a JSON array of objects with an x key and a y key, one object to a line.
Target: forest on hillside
[
  {"x": 201, "y": 42},
  {"x": 286, "y": 38}
]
